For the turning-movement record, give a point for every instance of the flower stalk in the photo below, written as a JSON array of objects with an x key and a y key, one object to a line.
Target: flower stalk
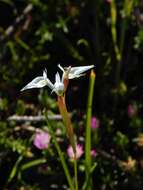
[
  {"x": 70, "y": 133},
  {"x": 75, "y": 174},
  {"x": 88, "y": 181},
  {"x": 67, "y": 121}
]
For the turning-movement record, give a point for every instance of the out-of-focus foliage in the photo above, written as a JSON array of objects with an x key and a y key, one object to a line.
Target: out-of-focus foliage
[{"x": 38, "y": 34}]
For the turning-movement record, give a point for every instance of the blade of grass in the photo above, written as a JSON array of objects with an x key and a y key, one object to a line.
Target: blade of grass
[
  {"x": 29, "y": 165},
  {"x": 88, "y": 130},
  {"x": 14, "y": 169},
  {"x": 33, "y": 163}
]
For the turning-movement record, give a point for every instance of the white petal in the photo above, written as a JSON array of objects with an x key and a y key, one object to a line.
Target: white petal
[
  {"x": 57, "y": 78},
  {"x": 58, "y": 85},
  {"x": 80, "y": 70},
  {"x": 49, "y": 84},
  {"x": 38, "y": 82},
  {"x": 45, "y": 74},
  {"x": 58, "y": 88},
  {"x": 62, "y": 69},
  {"x": 72, "y": 76}
]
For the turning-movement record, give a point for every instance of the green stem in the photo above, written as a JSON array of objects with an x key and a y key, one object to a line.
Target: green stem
[
  {"x": 88, "y": 129},
  {"x": 66, "y": 170},
  {"x": 33, "y": 163},
  {"x": 75, "y": 174},
  {"x": 113, "y": 11},
  {"x": 15, "y": 169}
]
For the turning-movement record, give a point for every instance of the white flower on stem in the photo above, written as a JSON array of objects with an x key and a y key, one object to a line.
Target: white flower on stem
[
  {"x": 74, "y": 72},
  {"x": 41, "y": 81},
  {"x": 58, "y": 86}
]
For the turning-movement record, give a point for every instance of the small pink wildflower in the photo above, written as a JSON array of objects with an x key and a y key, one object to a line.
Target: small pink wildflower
[
  {"x": 94, "y": 123},
  {"x": 41, "y": 140},
  {"x": 131, "y": 110},
  {"x": 93, "y": 153},
  {"x": 79, "y": 151}
]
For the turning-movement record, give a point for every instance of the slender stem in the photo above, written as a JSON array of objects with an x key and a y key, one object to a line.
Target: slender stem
[
  {"x": 113, "y": 10},
  {"x": 65, "y": 167},
  {"x": 88, "y": 129},
  {"x": 67, "y": 121},
  {"x": 70, "y": 133},
  {"x": 75, "y": 174}
]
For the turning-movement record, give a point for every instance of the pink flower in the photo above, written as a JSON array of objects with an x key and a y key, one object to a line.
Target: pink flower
[
  {"x": 41, "y": 140},
  {"x": 93, "y": 153},
  {"x": 79, "y": 151},
  {"x": 131, "y": 110},
  {"x": 94, "y": 123}
]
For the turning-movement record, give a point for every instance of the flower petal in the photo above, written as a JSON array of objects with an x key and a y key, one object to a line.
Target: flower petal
[
  {"x": 79, "y": 70},
  {"x": 74, "y": 72},
  {"x": 38, "y": 82},
  {"x": 62, "y": 69},
  {"x": 49, "y": 84},
  {"x": 45, "y": 74},
  {"x": 57, "y": 78}
]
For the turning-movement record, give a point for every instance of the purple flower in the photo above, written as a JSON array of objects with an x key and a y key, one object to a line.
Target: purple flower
[
  {"x": 41, "y": 140},
  {"x": 131, "y": 110},
  {"x": 79, "y": 152},
  {"x": 93, "y": 152},
  {"x": 94, "y": 123}
]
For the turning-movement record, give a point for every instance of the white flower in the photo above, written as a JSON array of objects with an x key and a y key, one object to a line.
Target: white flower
[
  {"x": 39, "y": 82},
  {"x": 74, "y": 72},
  {"x": 58, "y": 86}
]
